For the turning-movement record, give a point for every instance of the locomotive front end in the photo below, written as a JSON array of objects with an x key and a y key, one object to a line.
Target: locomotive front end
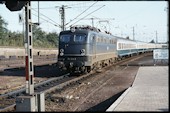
[{"x": 72, "y": 50}]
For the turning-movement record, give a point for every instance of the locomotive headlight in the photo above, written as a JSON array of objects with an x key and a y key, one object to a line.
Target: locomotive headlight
[
  {"x": 61, "y": 52},
  {"x": 82, "y": 51}
]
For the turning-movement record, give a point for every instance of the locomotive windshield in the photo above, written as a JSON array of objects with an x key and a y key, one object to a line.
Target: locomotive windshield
[
  {"x": 65, "y": 38},
  {"x": 79, "y": 38}
]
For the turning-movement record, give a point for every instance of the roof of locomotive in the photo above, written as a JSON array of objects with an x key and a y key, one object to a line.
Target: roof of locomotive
[{"x": 86, "y": 31}]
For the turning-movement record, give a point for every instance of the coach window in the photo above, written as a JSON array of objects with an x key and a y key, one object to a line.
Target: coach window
[
  {"x": 65, "y": 38},
  {"x": 80, "y": 38},
  {"x": 119, "y": 45}
]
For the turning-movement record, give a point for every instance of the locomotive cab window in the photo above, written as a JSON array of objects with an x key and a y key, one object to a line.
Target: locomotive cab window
[
  {"x": 65, "y": 38},
  {"x": 80, "y": 38}
]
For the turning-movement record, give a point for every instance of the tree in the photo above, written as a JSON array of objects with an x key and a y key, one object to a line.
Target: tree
[
  {"x": 53, "y": 39},
  {"x": 42, "y": 39},
  {"x": 13, "y": 39},
  {"x": 38, "y": 34},
  {"x": 3, "y": 29}
]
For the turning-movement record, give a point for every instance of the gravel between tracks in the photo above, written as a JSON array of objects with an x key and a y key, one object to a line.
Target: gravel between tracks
[{"x": 92, "y": 94}]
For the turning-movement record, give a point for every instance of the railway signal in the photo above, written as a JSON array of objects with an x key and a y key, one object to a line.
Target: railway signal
[
  {"x": 15, "y": 5},
  {"x": 1, "y": 2}
]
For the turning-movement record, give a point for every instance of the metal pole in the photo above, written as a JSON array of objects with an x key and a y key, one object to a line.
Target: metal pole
[
  {"x": 133, "y": 33},
  {"x": 167, "y": 10},
  {"x": 23, "y": 27},
  {"x": 29, "y": 53},
  {"x": 156, "y": 37},
  {"x": 168, "y": 28},
  {"x": 92, "y": 22},
  {"x": 61, "y": 10},
  {"x": 63, "y": 17},
  {"x": 38, "y": 14}
]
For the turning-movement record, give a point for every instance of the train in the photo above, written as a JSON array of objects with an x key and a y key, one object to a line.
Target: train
[{"x": 85, "y": 48}]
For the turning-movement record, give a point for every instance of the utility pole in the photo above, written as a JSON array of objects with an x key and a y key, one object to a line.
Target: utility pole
[
  {"x": 38, "y": 14},
  {"x": 133, "y": 33},
  {"x": 62, "y": 14},
  {"x": 92, "y": 22},
  {"x": 167, "y": 10},
  {"x": 156, "y": 37}
]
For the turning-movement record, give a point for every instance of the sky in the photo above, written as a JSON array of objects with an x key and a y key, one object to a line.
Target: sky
[{"x": 121, "y": 18}]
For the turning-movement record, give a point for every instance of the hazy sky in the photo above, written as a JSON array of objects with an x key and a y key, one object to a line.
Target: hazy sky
[{"x": 118, "y": 17}]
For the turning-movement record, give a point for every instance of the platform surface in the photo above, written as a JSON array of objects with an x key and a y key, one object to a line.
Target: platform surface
[{"x": 149, "y": 92}]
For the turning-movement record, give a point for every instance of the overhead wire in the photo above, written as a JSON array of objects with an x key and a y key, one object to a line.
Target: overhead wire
[
  {"x": 87, "y": 15},
  {"x": 81, "y": 13},
  {"x": 48, "y": 18},
  {"x": 55, "y": 24},
  {"x": 76, "y": 4},
  {"x": 61, "y": 4}
]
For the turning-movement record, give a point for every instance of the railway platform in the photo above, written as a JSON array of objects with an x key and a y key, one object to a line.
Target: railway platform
[{"x": 149, "y": 91}]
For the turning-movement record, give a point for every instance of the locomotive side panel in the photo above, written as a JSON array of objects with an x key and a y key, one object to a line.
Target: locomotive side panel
[{"x": 105, "y": 49}]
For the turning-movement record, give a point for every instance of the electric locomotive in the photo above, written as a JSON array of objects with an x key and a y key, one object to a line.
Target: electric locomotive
[{"x": 84, "y": 48}]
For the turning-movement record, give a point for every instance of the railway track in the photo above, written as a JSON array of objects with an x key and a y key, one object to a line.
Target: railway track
[
  {"x": 20, "y": 62},
  {"x": 57, "y": 84},
  {"x": 11, "y": 96}
]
